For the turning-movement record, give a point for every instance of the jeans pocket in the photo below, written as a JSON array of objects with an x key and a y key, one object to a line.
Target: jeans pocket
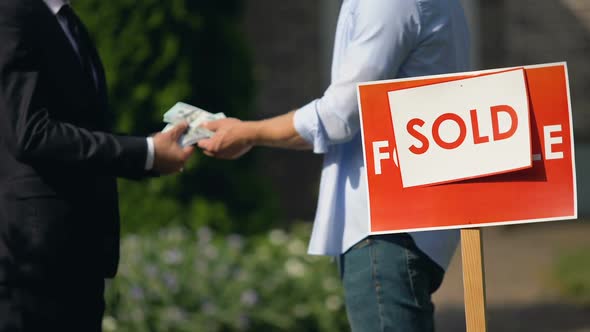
[{"x": 420, "y": 276}]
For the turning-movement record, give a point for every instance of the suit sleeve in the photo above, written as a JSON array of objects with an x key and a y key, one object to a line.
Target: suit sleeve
[{"x": 27, "y": 129}]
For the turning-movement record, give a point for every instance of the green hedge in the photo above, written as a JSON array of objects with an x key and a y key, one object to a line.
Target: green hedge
[
  {"x": 156, "y": 53},
  {"x": 179, "y": 280}
]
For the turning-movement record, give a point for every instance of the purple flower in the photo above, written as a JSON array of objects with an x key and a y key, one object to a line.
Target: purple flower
[
  {"x": 204, "y": 235},
  {"x": 249, "y": 297},
  {"x": 173, "y": 257},
  {"x": 235, "y": 241},
  {"x": 209, "y": 308},
  {"x": 151, "y": 271},
  {"x": 136, "y": 293},
  {"x": 171, "y": 281}
]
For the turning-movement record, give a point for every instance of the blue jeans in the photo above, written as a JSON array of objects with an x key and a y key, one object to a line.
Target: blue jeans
[{"x": 388, "y": 283}]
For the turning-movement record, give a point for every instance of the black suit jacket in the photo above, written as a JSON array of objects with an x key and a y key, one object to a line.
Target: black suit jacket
[{"x": 58, "y": 162}]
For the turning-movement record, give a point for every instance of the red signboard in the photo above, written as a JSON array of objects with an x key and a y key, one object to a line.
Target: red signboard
[{"x": 546, "y": 191}]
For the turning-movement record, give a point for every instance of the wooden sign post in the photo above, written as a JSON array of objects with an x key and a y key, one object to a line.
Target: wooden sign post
[{"x": 474, "y": 284}]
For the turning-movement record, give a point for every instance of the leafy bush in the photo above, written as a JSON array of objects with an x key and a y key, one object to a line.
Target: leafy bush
[
  {"x": 156, "y": 53},
  {"x": 572, "y": 272},
  {"x": 199, "y": 281}
]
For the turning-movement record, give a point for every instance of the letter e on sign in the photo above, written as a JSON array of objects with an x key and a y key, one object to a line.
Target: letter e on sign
[{"x": 550, "y": 141}]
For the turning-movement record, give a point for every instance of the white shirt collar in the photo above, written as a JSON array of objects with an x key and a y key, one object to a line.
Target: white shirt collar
[{"x": 55, "y": 5}]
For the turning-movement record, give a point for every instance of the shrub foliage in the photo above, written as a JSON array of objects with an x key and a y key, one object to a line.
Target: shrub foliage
[
  {"x": 156, "y": 53},
  {"x": 179, "y": 280}
]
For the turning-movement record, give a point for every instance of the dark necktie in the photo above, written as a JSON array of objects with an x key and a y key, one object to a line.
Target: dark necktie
[{"x": 82, "y": 40}]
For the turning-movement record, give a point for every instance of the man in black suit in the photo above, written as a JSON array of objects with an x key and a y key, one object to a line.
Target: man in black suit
[{"x": 59, "y": 219}]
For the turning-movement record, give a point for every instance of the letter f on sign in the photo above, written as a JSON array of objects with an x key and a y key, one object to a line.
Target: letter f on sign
[{"x": 378, "y": 155}]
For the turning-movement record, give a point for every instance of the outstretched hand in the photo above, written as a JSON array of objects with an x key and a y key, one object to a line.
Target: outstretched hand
[{"x": 233, "y": 138}]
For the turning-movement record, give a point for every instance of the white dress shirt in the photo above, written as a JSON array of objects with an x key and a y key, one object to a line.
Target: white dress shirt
[
  {"x": 55, "y": 6},
  {"x": 375, "y": 40}
]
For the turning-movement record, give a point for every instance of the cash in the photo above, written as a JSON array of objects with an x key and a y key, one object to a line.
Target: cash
[{"x": 195, "y": 117}]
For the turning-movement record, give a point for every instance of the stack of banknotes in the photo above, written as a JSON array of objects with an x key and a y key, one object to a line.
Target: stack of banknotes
[{"x": 195, "y": 117}]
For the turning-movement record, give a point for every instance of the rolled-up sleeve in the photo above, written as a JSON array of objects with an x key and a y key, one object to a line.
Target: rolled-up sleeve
[
  {"x": 308, "y": 125},
  {"x": 379, "y": 35}
]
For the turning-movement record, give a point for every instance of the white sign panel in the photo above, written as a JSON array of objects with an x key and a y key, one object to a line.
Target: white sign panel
[{"x": 462, "y": 129}]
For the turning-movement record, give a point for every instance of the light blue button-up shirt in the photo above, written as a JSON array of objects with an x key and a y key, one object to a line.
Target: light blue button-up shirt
[{"x": 375, "y": 40}]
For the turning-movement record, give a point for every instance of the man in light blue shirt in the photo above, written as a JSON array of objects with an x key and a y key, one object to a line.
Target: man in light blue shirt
[{"x": 388, "y": 279}]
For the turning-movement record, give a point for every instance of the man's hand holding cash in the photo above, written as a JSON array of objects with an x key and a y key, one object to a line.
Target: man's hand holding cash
[{"x": 194, "y": 117}]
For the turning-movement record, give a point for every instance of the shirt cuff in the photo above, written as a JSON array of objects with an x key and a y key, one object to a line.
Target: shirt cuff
[
  {"x": 310, "y": 127},
  {"x": 149, "y": 160}
]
